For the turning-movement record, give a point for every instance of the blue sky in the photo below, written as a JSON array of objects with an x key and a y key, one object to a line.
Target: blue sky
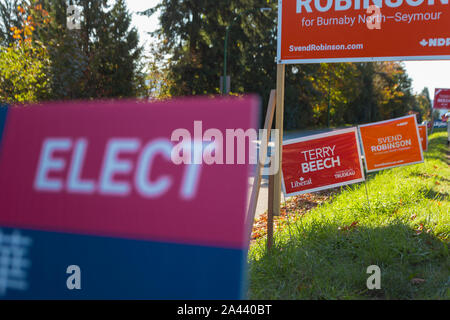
[{"x": 431, "y": 74}]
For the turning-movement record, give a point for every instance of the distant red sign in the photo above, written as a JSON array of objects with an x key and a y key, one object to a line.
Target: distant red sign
[
  {"x": 442, "y": 99},
  {"x": 321, "y": 161}
]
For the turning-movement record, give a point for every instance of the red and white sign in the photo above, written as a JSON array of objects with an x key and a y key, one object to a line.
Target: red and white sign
[
  {"x": 315, "y": 31},
  {"x": 391, "y": 143},
  {"x": 423, "y": 132},
  {"x": 321, "y": 161},
  {"x": 101, "y": 168},
  {"x": 441, "y": 99}
]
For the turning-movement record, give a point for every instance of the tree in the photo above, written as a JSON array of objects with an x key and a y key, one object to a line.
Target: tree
[
  {"x": 158, "y": 83},
  {"x": 424, "y": 106},
  {"x": 101, "y": 60},
  {"x": 24, "y": 65},
  {"x": 9, "y": 18},
  {"x": 115, "y": 64},
  {"x": 192, "y": 35}
]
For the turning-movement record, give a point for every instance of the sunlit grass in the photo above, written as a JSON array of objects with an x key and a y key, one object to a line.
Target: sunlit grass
[{"x": 403, "y": 227}]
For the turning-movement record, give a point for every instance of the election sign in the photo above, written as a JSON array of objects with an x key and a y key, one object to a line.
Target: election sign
[
  {"x": 439, "y": 124},
  {"x": 441, "y": 99},
  {"x": 321, "y": 161},
  {"x": 423, "y": 133},
  {"x": 316, "y": 31},
  {"x": 391, "y": 143},
  {"x": 92, "y": 205}
]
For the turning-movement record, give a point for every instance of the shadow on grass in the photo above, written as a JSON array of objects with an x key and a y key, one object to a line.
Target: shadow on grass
[
  {"x": 434, "y": 195},
  {"x": 428, "y": 176},
  {"x": 331, "y": 261}
]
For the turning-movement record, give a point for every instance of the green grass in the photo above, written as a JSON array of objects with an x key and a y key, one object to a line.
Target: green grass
[{"x": 404, "y": 229}]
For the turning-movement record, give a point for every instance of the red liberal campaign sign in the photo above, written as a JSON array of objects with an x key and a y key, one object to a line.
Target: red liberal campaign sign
[{"x": 321, "y": 162}]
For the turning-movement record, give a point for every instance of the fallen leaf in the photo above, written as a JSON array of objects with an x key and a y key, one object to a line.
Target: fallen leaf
[
  {"x": 419, "y": 229},
  {"x": 417, "y": 281}
]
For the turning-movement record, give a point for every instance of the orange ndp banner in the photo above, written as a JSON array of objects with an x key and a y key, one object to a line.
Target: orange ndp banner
[
  {"x": 423, "y": 133},
  {"x": 391, "y": 143},
  {"x": 313, "y": 31}
]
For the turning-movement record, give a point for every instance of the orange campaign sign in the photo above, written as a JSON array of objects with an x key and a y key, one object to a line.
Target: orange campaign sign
[
  {"x": 441, "y": 99},
  {"x": 315, "y": 31},
  {"x": 321, "y": 161},
  {"x": 423, "y": 132},
  {"x": 391, "y": 143}
]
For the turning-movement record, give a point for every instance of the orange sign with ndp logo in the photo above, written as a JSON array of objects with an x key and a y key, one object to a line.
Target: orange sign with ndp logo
[
  {"x": 391, "y": 143},
  {"x": 423, "y": 132},
  {"x": 313, "y": 31}
]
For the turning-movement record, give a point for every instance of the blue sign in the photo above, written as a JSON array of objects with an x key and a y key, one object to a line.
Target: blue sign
[{"x": 440, "y": 124}]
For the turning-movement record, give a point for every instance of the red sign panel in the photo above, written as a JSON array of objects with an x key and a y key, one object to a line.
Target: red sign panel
[
  {"x": 391, "y": 143},
  {"x": 105, "y": 168},
  {"x": 321, "y": 161},
  {"x": 442, "y": 99},
  {"x": 423, "y": 132},
  {"x": 314, "y": 31},
  {"x": 98, "y": 184}
]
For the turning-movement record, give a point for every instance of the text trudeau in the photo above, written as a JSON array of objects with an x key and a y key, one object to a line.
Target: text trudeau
[{"x": 319, "y": 159}]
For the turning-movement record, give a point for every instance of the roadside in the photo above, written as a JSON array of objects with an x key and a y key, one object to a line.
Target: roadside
[{"x": 325, "y": 247}]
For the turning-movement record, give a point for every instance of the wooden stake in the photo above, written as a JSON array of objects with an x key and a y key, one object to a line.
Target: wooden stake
[
  {"x": 251, "y": 211},
  {"x": 270, "y": 216},
  {"x": 276, "y": 190}
]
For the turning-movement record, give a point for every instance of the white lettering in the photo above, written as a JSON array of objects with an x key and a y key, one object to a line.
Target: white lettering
[
  {"x": 74, "y": 182},
  {"x": 47, "y": 163},
  {"x": 142, "y": 179},
  {"x": 112, "y": 166}
]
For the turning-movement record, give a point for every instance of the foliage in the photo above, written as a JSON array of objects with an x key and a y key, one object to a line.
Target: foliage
[
  {"x": 9, "y": 18},
  {"x": 158, "y": 82},
  {"x": 24, "y": 65},
  {"x": 192, "y": 33},
  {"x": 101, "y": 60},
  {"x": 423, "y": 105}
]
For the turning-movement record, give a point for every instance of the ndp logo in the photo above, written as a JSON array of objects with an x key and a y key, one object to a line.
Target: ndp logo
[{"x": 435, "y": 42}]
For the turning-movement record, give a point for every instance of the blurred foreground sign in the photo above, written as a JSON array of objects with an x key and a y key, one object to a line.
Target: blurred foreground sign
[
  {"x": 314, "y": 31},
  {"x": 321, "y": 161},
  {"x": 93, "y": 207},
  {"x": 441, "y": 99},
  {"x": 391, "y": 143}
]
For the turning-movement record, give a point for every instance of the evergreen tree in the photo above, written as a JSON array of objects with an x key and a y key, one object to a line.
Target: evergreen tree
[{"x": 101, "y": 59}]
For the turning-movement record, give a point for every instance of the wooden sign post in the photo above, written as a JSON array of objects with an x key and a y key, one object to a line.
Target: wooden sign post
[{"x": 275, "y": 191}]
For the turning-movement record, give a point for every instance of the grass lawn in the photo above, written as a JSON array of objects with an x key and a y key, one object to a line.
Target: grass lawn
[{"x": 404, "y": 229}]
